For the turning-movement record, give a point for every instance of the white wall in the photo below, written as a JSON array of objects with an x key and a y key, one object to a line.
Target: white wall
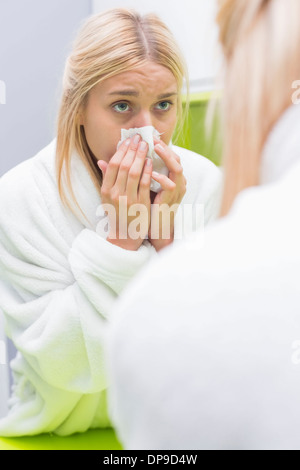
[
  {"x": 35, "y": 36},
  {"x": 193, "y": 24},
  {"x": 35, "y": 39}
]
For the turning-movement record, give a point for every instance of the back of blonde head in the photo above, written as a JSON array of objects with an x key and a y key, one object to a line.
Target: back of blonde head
[
  {"x": 109, "y": 43},
  {"x": 261, "y": 45}
]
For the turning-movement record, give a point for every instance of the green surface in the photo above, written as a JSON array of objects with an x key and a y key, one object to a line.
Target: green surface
[
  {"x": 195, "y": 135},
  {"x": 97, "y": 439}
]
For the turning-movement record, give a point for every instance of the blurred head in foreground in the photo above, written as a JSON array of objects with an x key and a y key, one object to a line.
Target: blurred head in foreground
[{"x": 261, "y": 45}]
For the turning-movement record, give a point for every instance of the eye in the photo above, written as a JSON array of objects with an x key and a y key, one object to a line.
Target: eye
[
  {"x": 164, "y": 105},
  {"x": 121, "y": 107}
]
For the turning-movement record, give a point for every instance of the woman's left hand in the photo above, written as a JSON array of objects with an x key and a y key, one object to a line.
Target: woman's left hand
[{"x": 165, "y": 204}]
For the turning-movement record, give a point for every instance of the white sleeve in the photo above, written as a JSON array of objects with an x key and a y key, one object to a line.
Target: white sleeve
[
  {"x": 93, "y": 258},
  {"x": 56, "y": 299}
]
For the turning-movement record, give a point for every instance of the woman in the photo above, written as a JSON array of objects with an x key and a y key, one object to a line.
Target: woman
[
  {"x": 61, "y": 269},
  {"x": 218, "y": 344}
]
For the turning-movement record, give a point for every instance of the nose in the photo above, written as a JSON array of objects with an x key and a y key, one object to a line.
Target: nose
[{"x": 144, "y": 118}]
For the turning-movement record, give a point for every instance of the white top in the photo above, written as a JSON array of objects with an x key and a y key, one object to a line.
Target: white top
[
  {"x": 59, "y": 280},
  {"x": 204, "y": 348}
]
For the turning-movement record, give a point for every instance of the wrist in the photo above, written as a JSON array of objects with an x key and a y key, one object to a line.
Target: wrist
[{"x": 162, "y": 243}]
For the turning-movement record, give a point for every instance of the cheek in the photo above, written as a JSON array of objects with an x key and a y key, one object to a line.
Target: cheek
[{"x": 102, "y": 134}]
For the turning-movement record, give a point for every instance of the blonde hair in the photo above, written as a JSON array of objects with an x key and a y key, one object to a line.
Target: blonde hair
[
  {"x": 261, "y": 45},
  {"x": 109, "y": 43}
]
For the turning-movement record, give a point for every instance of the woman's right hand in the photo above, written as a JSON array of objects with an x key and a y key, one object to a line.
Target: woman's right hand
[{"x": 126, "y": 181}]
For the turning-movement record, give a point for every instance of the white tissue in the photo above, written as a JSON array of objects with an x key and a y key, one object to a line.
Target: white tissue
[{"x": 147, "y": 133}]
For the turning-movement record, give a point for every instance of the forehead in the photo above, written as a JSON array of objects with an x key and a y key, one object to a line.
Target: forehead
[{"x": 152, "y": 79}]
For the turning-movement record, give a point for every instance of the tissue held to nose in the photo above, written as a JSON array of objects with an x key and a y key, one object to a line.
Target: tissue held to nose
[{"x": 147, "y": 133}]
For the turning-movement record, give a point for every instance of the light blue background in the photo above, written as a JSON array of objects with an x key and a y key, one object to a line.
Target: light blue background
[{"x": 35, "y": 39}]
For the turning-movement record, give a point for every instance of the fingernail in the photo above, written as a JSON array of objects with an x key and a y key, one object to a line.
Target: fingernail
[
  {"x": 143, "y": 146},
  {"x": 154, "y": 173},
  {"x": 160, "y": 148},
  {"x": 136, "y": 139},
  {"x": 127, "y": 141},
  {"x": 148, "y": 162}
]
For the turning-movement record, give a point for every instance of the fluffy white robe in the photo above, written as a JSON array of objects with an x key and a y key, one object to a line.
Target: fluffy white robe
[{"x": 59, "y": 281}]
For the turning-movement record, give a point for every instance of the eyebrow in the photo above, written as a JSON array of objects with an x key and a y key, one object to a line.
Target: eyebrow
[
  {"x": 167, "y": 95},
  {"x": 136, "y": 93},
  {"x": 125, "y": 93}
]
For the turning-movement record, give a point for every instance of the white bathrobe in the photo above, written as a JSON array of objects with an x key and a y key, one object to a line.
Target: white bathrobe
[
  {"x": 205, "y": 348},
  {"x": 59, "y": 281}
]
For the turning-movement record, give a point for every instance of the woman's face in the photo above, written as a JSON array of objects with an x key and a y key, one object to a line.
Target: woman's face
[{"x": 145, "y": 96}]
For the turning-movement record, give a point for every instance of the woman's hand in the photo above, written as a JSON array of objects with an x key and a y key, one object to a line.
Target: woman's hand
[
  {"x": 165, "y": 204},
  {"x": 126, "y": 181}
]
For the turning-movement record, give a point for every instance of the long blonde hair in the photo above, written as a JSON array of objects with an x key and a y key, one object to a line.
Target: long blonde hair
[
  {"x": 261, "y": 45},
  {"x": 109, "y": 43}
]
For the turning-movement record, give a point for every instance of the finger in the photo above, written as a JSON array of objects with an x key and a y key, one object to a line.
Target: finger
[
  {"x": 127, "y": 162},
  {"x": 167, "y": 148},
  {"x": 136, "y": 170},
  {"x": 168, "y": 156},
  {"x": 165, "y": 182},
  {"x": 103, "y": 167},
  {"x": 114, "y": 165},
  {"x": 158, "y": 141},
  {"x": 145, "y": 182}
]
